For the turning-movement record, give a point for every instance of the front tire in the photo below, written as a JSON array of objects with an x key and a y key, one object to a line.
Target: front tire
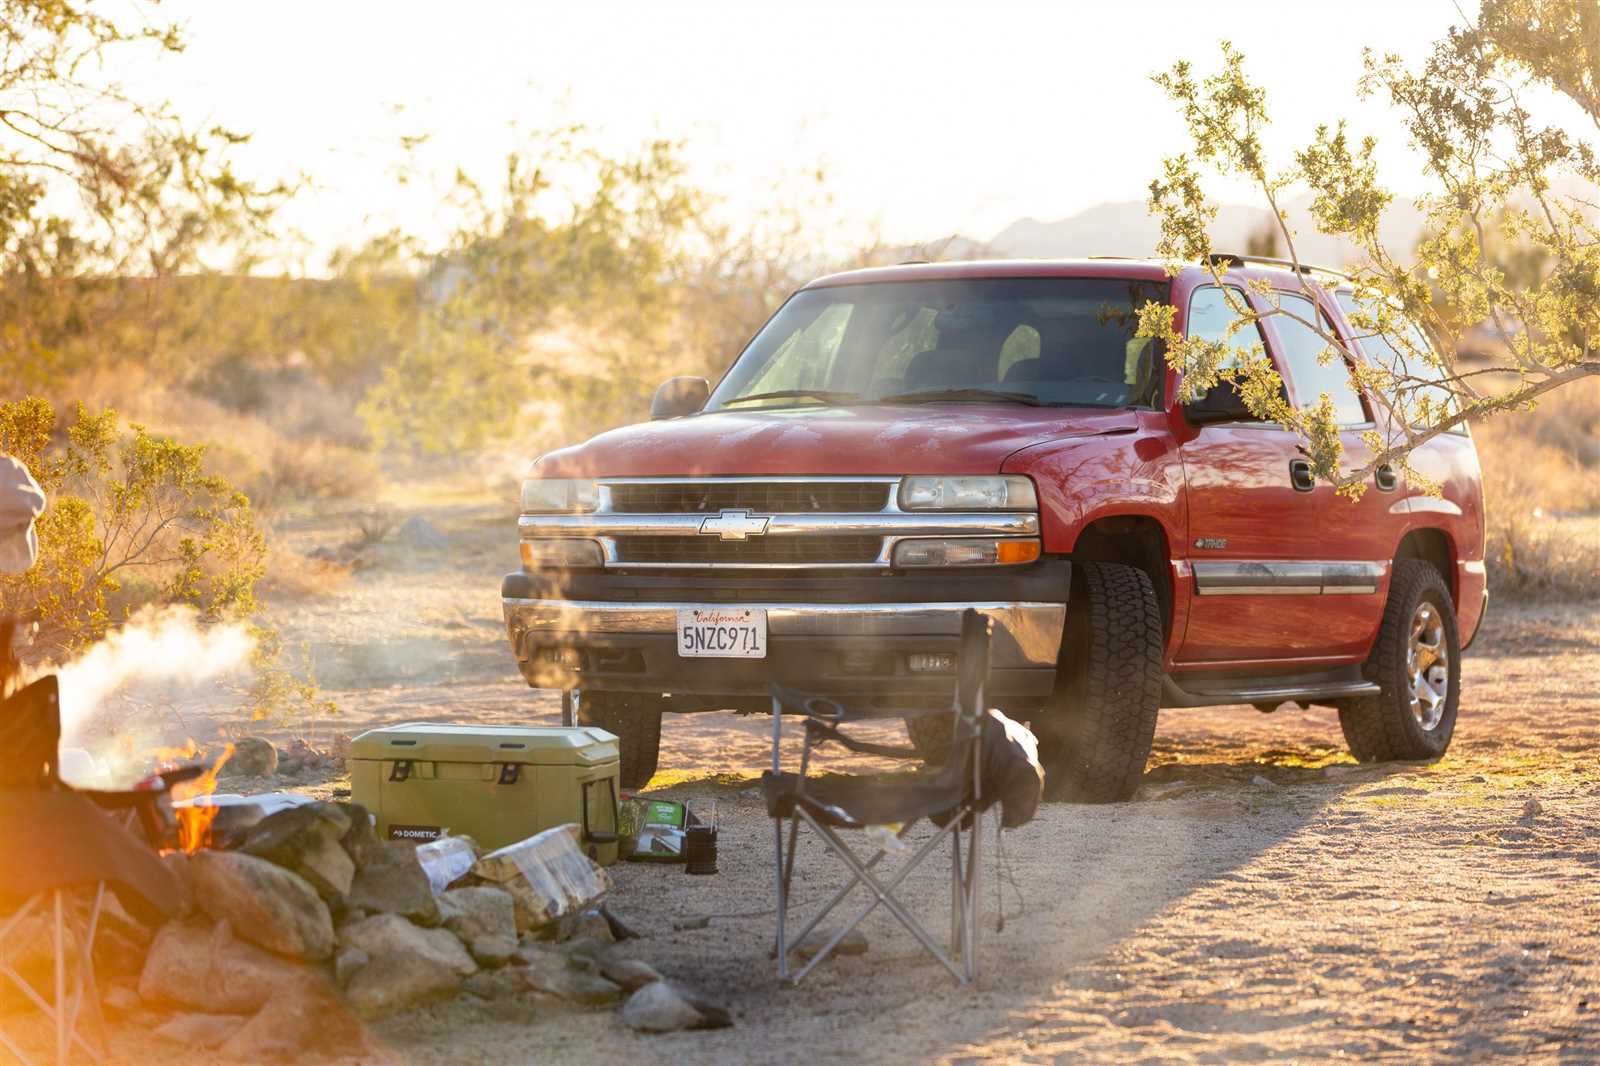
[
  {"x": 1095, "y": 737},
  {"x": 1416, "y": 663},
  {"x": 636, "y": 722}
]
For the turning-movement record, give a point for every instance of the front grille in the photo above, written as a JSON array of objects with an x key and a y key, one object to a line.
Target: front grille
[
  {"x": 762, "y": 497},
  {"x": 822, "y": 550}
]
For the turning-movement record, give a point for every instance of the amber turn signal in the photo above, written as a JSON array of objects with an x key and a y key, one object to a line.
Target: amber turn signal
[{"x": 1018, "y": 551}]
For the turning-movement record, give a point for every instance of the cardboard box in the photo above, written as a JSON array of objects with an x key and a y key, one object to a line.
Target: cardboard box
[{"x": 496, "y": 784}]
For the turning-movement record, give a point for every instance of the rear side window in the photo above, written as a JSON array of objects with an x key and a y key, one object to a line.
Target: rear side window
[
  {"x": 1302, "y": 350},
  {"x": 1384, "y": 352}
]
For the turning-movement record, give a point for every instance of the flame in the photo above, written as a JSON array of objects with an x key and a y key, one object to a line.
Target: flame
[{"x": 194, "y": 822}]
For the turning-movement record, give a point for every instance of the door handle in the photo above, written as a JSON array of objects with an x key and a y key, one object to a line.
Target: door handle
[
  {"x": 1300, "y": 475},
  {"x": 1386, "y": 478}
]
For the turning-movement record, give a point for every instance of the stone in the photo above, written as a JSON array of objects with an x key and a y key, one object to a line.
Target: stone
[
  {"x": 393, "y": 883},
  {"x": 492, "y": 951},
  {"x": 589, "y": 924},
  {"x": 390, "y": 934},
  {"x": 252, "y": 757},
  {"x": 178, "y": 863},
  {"x": 662, "y": 1007},
  {"x": 394, "y": 982},
  {"x": 264, "y": 903},
  {"x": 585, "y": 951},
  {"x": 629, "y": 974},
  {"x": 494, "y": 984},
  {"x": 479, "y": 911},
  {"x": 306, "y": 839},
  {"x": 1530, "y": 810},
  {"x": 854, "y": 943},
  {"x": 204, "y": 967},
  {"x": 200, "y": 1030},
  {"x": 347, "y": 962},
  {"x": 1262, "y": 782},
  {"x": 284, "y": 1029},
  {"x": 419, "y": 533},
  {"x": 343, "y": 913},
  {"x": 361, "y": 842},
  {"x": 620, "y": 930},
  {"x": 574, "y": 980}
]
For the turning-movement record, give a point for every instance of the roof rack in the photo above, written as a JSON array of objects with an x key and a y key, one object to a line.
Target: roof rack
[{"x": 1225, "y": 259}]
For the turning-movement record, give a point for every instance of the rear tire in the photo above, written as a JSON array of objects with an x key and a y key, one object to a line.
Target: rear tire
[
  {"x": 636, "y": 722},
  {"x": 1417, "y": 653},
  {"x": 1095, "y": 737}
]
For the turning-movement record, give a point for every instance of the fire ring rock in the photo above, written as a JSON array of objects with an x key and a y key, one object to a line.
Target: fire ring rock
[
  {"x": 393, "y": 882},
  {"x": 265, "y": 904},
  {"x": 306, "y": 839},
  {"x": 252, "y": 757}
]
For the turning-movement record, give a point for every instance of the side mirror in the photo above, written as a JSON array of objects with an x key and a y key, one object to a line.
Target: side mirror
[
  {"x": 1219, "y": 404},
  {"x": 680, "y": 396}
]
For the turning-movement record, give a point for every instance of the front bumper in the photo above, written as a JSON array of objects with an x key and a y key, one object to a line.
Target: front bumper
[{"x": 854, "y": 649}]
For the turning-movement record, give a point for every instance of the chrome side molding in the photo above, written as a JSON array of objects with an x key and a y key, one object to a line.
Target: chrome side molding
[{"x": 1275, "y": 577}]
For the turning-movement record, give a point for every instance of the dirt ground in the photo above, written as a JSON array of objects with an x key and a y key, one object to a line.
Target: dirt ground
[{"x": 1264, "y": 898}]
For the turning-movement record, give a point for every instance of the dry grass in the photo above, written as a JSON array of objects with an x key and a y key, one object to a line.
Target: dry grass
[{"x": 1541, "y": 482}]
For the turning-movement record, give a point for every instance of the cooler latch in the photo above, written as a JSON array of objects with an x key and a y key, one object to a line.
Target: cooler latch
[
  {"x": 401, "y": 770},
  {"x": 509, "y": 772}
]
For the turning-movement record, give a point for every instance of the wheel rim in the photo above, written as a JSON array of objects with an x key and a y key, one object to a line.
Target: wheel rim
[{"x": 1428, "y": 667}]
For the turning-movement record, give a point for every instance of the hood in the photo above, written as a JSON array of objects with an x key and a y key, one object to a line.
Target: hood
[{"x": 871, "y": 440}]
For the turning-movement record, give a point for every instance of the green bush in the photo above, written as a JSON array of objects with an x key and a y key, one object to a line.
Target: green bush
[{"x": 124, "y": 502}]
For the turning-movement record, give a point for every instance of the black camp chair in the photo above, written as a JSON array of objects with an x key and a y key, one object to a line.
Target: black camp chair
[
  {"x": 67, "y": 849},
  {"x": 950, "y": 796}
]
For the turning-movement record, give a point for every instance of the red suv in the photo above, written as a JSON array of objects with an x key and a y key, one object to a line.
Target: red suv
[{"x": 896, "y": 445}]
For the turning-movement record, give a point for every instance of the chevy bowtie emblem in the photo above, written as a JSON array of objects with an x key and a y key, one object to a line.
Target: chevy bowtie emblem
[{"x": 735, "y": 525}]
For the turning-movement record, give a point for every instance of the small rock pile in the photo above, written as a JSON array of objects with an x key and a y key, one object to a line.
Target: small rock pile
[
  {"x": 311, "y": 925},
  {"x": 257, "y": 758}
]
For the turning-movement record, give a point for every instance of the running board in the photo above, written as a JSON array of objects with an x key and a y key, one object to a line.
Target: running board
[{"x": 1223, "y": 692}]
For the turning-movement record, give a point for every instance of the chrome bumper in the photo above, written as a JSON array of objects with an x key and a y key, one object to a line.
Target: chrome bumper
[{"x": 1027, "y": 635}]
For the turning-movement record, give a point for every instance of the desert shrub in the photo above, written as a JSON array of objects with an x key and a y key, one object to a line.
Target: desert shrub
[
  {"x": 1541, "y": 485},
  {"x": 125, "y": 504}
]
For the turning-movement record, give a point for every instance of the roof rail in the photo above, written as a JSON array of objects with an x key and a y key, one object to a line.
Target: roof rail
[{"x": 1225, "y": 259}]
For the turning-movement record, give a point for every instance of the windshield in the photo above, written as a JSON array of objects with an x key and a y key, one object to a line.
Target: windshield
[{"x": 1059, "y": 341}]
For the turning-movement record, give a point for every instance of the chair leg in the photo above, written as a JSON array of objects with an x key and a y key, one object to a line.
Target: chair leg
[
  {"x": 61, "y": 983},
  {"x": 779, "y": 883},
  {"x": 883, "y": 892}
]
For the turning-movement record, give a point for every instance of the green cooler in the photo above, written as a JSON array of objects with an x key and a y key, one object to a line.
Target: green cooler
[{"x": 495, "y": 784}]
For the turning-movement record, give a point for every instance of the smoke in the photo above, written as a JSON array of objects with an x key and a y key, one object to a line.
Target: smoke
[{"x": 164, "y": 650}]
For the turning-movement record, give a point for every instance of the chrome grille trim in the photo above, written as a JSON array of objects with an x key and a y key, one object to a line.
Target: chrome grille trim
[{"x": 612, "y": 528}]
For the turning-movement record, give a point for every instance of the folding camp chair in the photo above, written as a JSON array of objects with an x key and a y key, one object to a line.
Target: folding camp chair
[
  {"x": 949, "y": 796},
  {"x": 65, "y": 883}
]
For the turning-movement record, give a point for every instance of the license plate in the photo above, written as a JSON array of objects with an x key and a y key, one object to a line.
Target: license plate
[{"x": 722, "y": 633}]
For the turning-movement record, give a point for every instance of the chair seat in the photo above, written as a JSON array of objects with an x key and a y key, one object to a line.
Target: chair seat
[{"x": 853, "y": 802}]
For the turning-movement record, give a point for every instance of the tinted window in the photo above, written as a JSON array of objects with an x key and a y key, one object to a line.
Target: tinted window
[
  {"x": 1210, "y": 316},
  {"x": 1316, "y": 369},
  {"x": 1067, "y": 341},
  {"x": 1384, "y": 352}
]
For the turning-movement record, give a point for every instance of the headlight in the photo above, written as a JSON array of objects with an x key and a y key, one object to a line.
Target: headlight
[
  {"x": 558, "y": 495},
  {"x": 966, "y": 551},
  {"x": 560, "y": 553},
  {"x": 1003, "y": 493}
]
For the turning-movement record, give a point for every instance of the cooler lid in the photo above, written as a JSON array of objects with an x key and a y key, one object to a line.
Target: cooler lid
[{"x": 546, "y": 745}]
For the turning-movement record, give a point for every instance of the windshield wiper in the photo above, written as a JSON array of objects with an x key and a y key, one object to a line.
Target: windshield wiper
[
  {"x": 825, "y": 395},
  {"x": 936, "y": 395}
]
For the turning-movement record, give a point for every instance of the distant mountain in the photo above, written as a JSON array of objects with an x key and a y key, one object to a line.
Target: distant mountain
[{"x": 1127, "y": 228}]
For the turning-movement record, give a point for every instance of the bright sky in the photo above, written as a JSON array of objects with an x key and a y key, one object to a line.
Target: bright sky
[{"x": 930, "y": 118}]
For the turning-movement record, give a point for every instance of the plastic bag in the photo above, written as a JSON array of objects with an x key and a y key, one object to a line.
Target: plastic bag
[{"x": 547, "y": 875}]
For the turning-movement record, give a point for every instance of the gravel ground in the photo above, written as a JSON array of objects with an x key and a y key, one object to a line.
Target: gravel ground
[{"x": 1264, "y": 898}]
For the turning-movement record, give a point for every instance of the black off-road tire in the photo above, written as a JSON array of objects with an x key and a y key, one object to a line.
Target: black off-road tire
[
  {"x": 932, "y": 735},
  {"x": 1383, "y": 728},
  {"x": 636, "y": 721},
  {"x": 1094, "y": 738}
]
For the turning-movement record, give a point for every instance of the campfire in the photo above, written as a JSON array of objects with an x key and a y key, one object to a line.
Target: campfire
[{"x": 194, "y": 818}]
